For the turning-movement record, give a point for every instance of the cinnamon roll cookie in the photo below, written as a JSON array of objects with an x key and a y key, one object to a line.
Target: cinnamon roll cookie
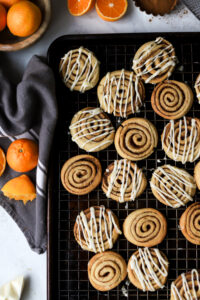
[
  {"x": 96, "y": 229},
  {"x": 148, "y": 269},
  {"x": 106, "y": 270},
  {"x": 155, "y": 61},
  {"x": 172, "y": 186},
  {"x": 81, "y": 174},
  {"x": 123, "y": 181},
  {"x": 136, "y": 139},
  {"x": 121, "y": 93},
  {"x": 145, "y": 227},
  {"x": 79, "y": 69},
  {"x": 190, "y": 223},
  {"x": 181, "y": 139},
  {"x": 91, "y": 129},
  {"x": 197, "y": 174},
  {"x": 186, "y": 286},
  {"x": 197, "y": 87},
  {"x": 172, "y": 99}
]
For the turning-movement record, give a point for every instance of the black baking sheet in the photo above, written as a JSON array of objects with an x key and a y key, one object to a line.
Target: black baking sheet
[{"x": 67, "y": 262}]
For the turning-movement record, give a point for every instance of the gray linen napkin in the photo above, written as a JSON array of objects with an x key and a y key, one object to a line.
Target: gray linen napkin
[
  {"x": 29, "y": 111},
  {"x": 194, "y": 6}
]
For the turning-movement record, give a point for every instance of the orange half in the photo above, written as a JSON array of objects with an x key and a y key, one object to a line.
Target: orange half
[
  {"x": 20, "y": 188},
  {"x": 111, "y": 10},
  {"x": 2, "y": 161},
  {"x": 80, "y": 7}
]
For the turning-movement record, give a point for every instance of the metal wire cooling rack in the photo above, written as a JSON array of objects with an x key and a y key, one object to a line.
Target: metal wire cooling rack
[{"x": 67, "y": 262}]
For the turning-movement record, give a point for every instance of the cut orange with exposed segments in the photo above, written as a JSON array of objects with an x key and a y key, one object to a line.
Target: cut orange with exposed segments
[
  {"x": 20, "y": 188},
  {"x": 3, "y": 15},
  {"x": 111, "y": 10},
  {"x": 80, "y": 7},
  {"x": 2, "y": 161}
]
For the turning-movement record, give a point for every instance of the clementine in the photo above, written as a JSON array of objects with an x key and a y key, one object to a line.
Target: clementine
[
  {"x": 8, "y": 3},
  {"x": 111, "y": 10},
  {"x": 22, "y": 155},
  {"x": 2, "y": 161},
  {"x": 20, "y": 188},
  {"x": 80, "y": 7},
  {"x": 3, "y": 15},
  {"x": 23, "y": 18}
]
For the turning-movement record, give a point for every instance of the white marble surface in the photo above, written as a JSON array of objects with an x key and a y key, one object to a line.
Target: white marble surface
[{"x": 15, "y": 255}]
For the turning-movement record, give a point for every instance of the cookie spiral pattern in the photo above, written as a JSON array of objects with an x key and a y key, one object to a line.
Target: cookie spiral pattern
[
  {"x": 181, "y": 139},
  {"x": 123, "y": 181},
  {"x": 172, "y": 186},
  {"x": 145, "y": 227},
  {"x": 96, "y": 229},
  {"x": 106, "y": 270},
  {"x": 136, "y": 139},
  {"x": 190, "y": 223},
  {"x": 186, "y": 286},
  {"x": 121, "y": 93},
  {"x": 172, "y": 99},
  {"x": 148, "y": 269},
  {"x": 155, "y": 61},
  {"x": 81, "y": 174},
  {"x": 79, "y": 69},
  {"x": 197, "y": 87},
  {"x": 91, "y": 129}
]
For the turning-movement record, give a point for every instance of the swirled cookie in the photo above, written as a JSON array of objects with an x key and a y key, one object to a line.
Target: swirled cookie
[
  {"x": 136, "y": 139},
  {"x": 145, "y": 227},
  {"x": 148, "y": 269},
  {"x": 91, "y": 129},
  {"x": 96, "y": 229},
  {"x": 172, "y": 99},
  {"x": 181, "y": 139},
  {"x": 79, "y": 69},
  {"x": 123, "y": 181},
  {"x": 172, "y": 186},
  {"x": 81, "y": 174},
  {"x": 121, "y": 93},
  {"x": 190, "y": 223},
  {"x": 106, "y": 270},
  {"x": 155, "y": 61}
]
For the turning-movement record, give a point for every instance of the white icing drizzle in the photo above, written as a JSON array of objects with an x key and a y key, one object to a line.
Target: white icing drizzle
[
  {"x": 92, "y": 124},
  {"x": 149, "y": 63},
  {"x": 76, "y": 67},
  {"x": 190, "y": 293},
  {"x": 189, "y": 147},
  {"x": 145, "y": 270},
  {"x": 92, "y": 235},
  {"x": 123, "y": 166},
  {"x": 175, "y": 176},
  {"x": 110, "y": 82}
]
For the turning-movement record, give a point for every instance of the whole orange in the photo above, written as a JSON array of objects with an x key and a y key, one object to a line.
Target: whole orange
[
  {"x": 22, "y": 155},
  {"x": 3, "y": 14},
  {"x": 8, "y": 3},
  {"x": 24, "y": 18}
]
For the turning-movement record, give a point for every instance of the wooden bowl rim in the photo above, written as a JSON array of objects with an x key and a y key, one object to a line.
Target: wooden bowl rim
[{"x": 35, "y": 36}]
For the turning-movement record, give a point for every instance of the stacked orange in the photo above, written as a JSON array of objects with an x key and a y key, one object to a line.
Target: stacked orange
[
  {"x": 23, "y": 17},
  {"x": 22, "y": 156},
  {"x": 108, "y": 10}
]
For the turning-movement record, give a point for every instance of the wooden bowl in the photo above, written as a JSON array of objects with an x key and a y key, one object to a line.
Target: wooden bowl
[{"x": 9, "y": 42}]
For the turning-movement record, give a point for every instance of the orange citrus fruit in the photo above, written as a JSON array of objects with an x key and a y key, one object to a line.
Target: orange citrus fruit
[
  {"x": 2, "y": 161},
  {"x": 23, "y": 18},
  {"x": 8, "y": 3},
  {"x": 111, "y": 10},
  {"x": 3, "y": 15},
  {"x": 22, "y": 155},
  {"x": 20, "y": 188},
  {"x": 80, "y": 7}
]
